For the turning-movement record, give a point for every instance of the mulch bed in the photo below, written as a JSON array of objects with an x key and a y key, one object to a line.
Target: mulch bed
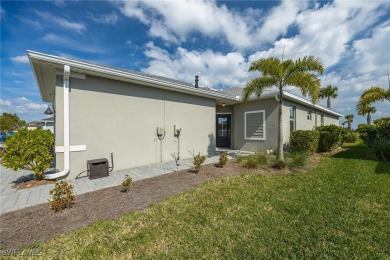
[
  {"x": 31, "y": 183},
  {"x": 39, "y": 222}
]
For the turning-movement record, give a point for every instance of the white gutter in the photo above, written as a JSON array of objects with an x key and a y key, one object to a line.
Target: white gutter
[
  {"x": 104, "y": 70},
  {"x": 50, "y": 176}
]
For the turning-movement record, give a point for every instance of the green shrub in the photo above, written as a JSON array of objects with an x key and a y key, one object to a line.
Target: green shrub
[
  {"x": 250, "y": 163},
  {"x": 31, "y": 150},
  {"x": 304, "y": 141},
  {"x": 253, "y": 160},
  {"x": 367, "y": 134},
  {"x": 126, "y": 184},
  {"x": 382, "y": 142},
  {"x": 383, "y": 132},
  {"x": 223, "y": 158},
  {"x": 382, "y": 150},
  {"x": 350, "y": 137},
  {"x": 260, "y": 159},
  {"x": 298, "y": 160},
  {"x": 279, "y": 165},
  {"x": 382, "y": 120},
  {"x": 198, "y": 161},
  {"x": 62, "y": 195},
  {"x": 330, "y": 137}
]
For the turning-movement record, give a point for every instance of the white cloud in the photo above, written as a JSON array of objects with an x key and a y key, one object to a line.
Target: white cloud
[
  {"x": 326, "y": 31},
  {"x": 35, "y": 106},
  {"x": 78, "y": 27},
  {"x": 111, "y": 18},
  {"x": 20, "y": 59},
  {"x": 372, "y": 54},
  {"x": 214, "y": 68},
  {"x": 68, "y": 43},
  {"x": 22, "y": 100},
  {"x": 174, "y": 21},
  {"x": 279, "y": 20},
  {"x": 59, "y": 3},
  {"x": 23, "y": 107},
  {"x": 5, "y": 103},
  {"x": 2, "y": 12}
]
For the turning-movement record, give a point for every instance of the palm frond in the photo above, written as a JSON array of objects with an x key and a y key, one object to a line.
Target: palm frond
[
  {"x": 268, "y": 67},
  {"x": 308, "y": 83},
  {"x": 363, "y": 108},
  {"x": 374, "y": 94},
  {"x": 349, "y": 118},
  {"x": 307, "y": 64},
  {"x": 329, "y": 91},
  {"x": 256, "y": 86}
]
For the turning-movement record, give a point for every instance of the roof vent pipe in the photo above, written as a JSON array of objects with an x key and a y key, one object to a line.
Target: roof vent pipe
[{"x": 196, "y": 81}]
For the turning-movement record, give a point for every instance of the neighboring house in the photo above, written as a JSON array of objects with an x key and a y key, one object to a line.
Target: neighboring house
[
  {"x": 144, "y": 119},
  {"x": 45, "y": 124}
]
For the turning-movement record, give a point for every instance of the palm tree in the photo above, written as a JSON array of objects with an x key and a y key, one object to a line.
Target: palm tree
[
  {"x": 279, "y": 73},
  {"x": 366, "y": 110},
  {"x": 374, "y": 94},
  {"x": 349, "y": 119},
  {"x": 329, "y": 92}
]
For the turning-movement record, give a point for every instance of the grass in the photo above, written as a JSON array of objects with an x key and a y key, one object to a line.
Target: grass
[{"x": 341, "y": 209}]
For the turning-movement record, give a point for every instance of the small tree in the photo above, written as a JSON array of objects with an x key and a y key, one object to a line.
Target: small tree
[
  {"x": 10, "y": 122},
  {"x": 329, "y": 92},
  {"x": 364, "y": 109},
  {"x": 300, "y": 73},
  {"x": 349, "y": 119},
  {"x": 31, "y": 150}
]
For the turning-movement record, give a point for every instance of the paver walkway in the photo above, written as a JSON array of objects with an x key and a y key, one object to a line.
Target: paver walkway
[{"x": 13, "y": 199}]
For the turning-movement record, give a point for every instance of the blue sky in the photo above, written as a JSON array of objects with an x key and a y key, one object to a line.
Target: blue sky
[{"x": 214, "y": 39}]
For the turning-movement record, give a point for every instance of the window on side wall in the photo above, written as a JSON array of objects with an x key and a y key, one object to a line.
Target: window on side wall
[
  {"x": 254, "y": 125},
  {"x": 322, "y": 119},
  {"x": 292, "y": 118},
  {"x": 308, "y": 114}
]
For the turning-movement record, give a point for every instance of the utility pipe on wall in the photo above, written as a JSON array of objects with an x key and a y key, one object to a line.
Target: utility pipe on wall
[{"x": 50, "y": 176}]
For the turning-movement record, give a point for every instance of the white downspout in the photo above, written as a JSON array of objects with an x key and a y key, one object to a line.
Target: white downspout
[{"x": 50, "y": 176}]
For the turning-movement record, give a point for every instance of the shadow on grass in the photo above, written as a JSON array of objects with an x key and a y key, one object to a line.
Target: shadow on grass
[
  {"x": 383, "y": 168},
  {"x": 359, "y": 151}
]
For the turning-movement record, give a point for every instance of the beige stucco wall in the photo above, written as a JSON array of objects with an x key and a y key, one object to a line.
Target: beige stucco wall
[
  {"x": 112, "y": 116},
  {"x": 271, "y": 118},
  {"x": 271, "y": 111},
  {"x": 301, "y": 121}
]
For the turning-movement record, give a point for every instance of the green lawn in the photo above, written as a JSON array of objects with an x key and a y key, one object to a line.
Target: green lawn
[{"x": 339, "y": 210}]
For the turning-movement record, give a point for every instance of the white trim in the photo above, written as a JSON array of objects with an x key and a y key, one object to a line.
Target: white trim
[
  {"x": 51, "y": 176},
  {"x": 264, "y": 125},
  {"x": 105, "y": 71},
  {"x": 310, "y": 104},
  {"x": 73, "y": 148},
  {"x": 72, "y": 74},
  {"x": 227, "y": 113}
]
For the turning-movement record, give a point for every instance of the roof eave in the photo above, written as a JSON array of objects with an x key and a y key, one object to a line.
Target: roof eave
[{"x": 127, "y": 76}]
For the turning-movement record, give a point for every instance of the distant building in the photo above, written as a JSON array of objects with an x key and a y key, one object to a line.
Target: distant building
[{"x": 45, "y": 124}]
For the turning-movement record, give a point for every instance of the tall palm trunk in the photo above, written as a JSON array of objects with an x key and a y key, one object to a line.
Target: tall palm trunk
[
  {"x": 368, "y": 118},
  {"x": 349, "y": 126},
  {"x": 328, "y": 103},
  {"x": 280, "y": 126}
]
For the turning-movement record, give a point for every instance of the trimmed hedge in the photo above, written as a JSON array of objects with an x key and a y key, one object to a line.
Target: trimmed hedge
[
  {"x": 383, "y": 132},
  {"x": 371, "y": 133},
  {"x": 304, "y": 141},
  {"x": 382, "y": 150},
  {"x": 367, "y": 134},
  {"x": 350, "y": 137},
  {"x": 330, "y": 137}
]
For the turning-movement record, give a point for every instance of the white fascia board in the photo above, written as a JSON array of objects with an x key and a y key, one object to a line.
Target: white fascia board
[
  {"x": 72, "y": 74},
  {"x": 41, "y": 92},
  {"x": 102, "y": 70},
  {"x": 310, "y": 104},
  {"x": 297, "y": 99}
]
